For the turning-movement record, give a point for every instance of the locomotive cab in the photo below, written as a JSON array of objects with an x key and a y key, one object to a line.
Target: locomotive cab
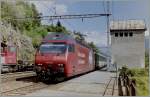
[
  {"x": 51, "y": 57},
  {"x": 61, "y": 56},
  {"x": 8, "y": 58}
]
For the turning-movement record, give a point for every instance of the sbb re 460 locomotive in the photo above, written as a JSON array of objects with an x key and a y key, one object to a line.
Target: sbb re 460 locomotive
[
  {"x": 8, "y": 60},
  {"x": 61, "y": 56}
]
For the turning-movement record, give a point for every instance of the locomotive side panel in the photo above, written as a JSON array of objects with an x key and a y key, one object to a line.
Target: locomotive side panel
[
  {"x": 71, "y": 60},
  {"x": 81, "y": 59},
  {"x": 84, "y": 59},
  {"x": 9, "y": 59},
  {"x": 11, "y": 56}
]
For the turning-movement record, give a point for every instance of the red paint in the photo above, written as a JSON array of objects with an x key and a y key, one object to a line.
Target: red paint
[
  {"x": 9, "y": 54},
  {"x": 75, "y": 63}
]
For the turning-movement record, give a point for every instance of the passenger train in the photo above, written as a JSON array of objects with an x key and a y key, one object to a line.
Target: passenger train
[{"x": 61, "y": 56}]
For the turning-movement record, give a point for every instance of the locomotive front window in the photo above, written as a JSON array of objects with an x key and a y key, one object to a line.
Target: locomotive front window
[
  {"x": 12, "y": 49},
  {"x": 53, "y": 48}
]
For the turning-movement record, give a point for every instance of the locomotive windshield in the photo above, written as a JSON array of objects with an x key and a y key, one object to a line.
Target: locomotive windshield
[
  {"x": 53, "y": 48},
  {"x": 12, "y": 49}
]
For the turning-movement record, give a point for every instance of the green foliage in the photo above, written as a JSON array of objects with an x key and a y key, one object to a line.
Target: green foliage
[
  {"x": 134, "y": 71},
  {"x": 93, "y": 46},
  {"x": 142, "y": 84},
  {"x": 79, "y": 36},
  {"x": 138, "y": 72},
  {"x": 123, "y": 70},
  {"x": 147, "y": 61},
  {"x": 56, "y": 28},
  {"x": 141, "y": 75},
  {"x": 11, "y": 11}
]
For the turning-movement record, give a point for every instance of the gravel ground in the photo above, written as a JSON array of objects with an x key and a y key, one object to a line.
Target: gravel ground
[{"x": 14, "y": 76}]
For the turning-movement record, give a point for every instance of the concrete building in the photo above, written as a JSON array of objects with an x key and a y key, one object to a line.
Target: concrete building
[{"x": 127, "y": 43}]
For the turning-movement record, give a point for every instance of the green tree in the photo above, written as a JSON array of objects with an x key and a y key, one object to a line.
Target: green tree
[
  {"x": 79, "y": 36},
  {"x": 60, "y": 28},
  {"x": 146, "y": 60},
  {"x": 12, "y": 12},
  {"x": 58, "y": 24},
  {"x": 56, "y": 28},
  {"x": 94, "y": 47}
]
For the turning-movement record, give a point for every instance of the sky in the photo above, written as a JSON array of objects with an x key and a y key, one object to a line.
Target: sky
[{"x": 95, "y": 28}]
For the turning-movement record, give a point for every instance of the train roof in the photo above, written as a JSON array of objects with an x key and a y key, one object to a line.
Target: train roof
[{"x": 60, "y": 36}]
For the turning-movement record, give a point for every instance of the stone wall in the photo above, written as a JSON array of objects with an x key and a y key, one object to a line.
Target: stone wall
[{"x": 19, "y": 40}]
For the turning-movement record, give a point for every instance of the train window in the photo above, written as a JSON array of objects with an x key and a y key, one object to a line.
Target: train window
[
  {"x": 121, "y": 34},
  {"x": 71, "y": 48},
  {"x": 12, "y": 49},
  {"x": 126, "y": 34},
  {"x": 53, "y": 48},
  {"x": 130, "y": 34},
  {"x": 116, "y": 34}
]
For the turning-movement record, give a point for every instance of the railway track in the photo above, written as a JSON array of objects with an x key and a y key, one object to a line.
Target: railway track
[
  {"x": 24, "y": 90},
  {"x": 24, "y": 86},
  {"x": 14, "y": 76},
  {"x": 9, "y": 74},
  {"x": 110, "y": 87}
]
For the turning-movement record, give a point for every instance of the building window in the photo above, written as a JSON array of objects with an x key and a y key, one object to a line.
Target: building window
[
  {"x": 121, "y": 34},
  {"x": 126, "y": 34},
  {"x": 116, "y": 34},
  {"x": 130, "y": 34}
]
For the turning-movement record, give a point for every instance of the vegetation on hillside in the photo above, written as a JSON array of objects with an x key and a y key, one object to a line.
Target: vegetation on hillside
[
  {"x": 11, "y": 12},
  {"x": 18, "y": 14}
]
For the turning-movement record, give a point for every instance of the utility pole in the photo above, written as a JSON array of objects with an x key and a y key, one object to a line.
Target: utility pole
[{"x": 108, "y": 32}]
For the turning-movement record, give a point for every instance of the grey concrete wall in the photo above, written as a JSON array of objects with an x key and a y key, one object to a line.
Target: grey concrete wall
[{"x": 128, "y": 51}]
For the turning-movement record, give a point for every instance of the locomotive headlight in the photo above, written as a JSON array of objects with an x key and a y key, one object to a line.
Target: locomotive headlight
[
  {"x": 39, "y": 64},
  {"x": 60, "y": 65}
]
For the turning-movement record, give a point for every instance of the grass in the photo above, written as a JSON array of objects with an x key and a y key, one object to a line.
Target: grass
[
  {"x": 141, "y": 75},
  {"x": 142, "y": 85},
  {"x": 142, "y": 80}
]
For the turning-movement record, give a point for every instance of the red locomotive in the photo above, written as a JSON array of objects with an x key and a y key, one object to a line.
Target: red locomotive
[
  {"x": 61, "y": 56},
  {"x": 9, "y": 62},
  {"x": 8, "y": 57}
]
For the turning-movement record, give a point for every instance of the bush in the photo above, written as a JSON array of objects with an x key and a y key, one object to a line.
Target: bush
[
  {"x": 140, "y": 75},
  {"x": 137, "y": 72},
  {"x": 142, "y": 85}
]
